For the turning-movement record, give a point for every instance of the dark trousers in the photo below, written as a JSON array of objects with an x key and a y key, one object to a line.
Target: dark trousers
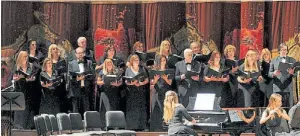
[{"x": 81, "y": 103}]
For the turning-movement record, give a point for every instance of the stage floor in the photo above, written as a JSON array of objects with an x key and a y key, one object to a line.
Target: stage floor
[{"x": 33, "y": 133}]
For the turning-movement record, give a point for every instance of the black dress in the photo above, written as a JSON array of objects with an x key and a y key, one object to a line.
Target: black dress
[
  {"x": 249, "y": 94},
  {"x": 109, "y": 99},
  {"x": 176, "y": 126},
  {"x": 61, "y": 70},
  {"x": 50, "y": 103},
  {"x": 232, "y": 86},
  {"x": 156, "y": 116},
  {"x": 136, "y": 103},
  {"x": 24, "y": 119},
  {"x": 218, "y": 88}
]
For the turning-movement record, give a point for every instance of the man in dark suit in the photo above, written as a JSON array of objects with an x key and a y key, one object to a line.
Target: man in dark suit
[
  {"x": 89, "y": 54},
  {"x": 81, "y": 92},
  {"x": 282, "y": 79},
  {"x": 187, "y": 87}
]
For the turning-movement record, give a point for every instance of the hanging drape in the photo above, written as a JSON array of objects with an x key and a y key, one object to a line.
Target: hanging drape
[{"x": 58, "y": 17}]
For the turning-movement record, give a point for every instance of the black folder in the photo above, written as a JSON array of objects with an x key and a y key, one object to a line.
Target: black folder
[
  {"x": 138, "y": 77},
  {"x": 189, "y": 74},
  {"x": 212, "y": 72},
  {"x": 108, "y": 79},
  {"x": 202, "y": 58},
  {"x": 169, "y": 72},
  {"x": 284, "y": 66},
  {"x": 27, "y": 75},
  {"x": 55, "y": 81},
  {"x": 173, "y": 60},
  {"x": 85, "y": 73},
  {"x": 244, "y": 74}
]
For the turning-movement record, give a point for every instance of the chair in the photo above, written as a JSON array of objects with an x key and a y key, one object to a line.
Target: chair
[
  {"x": 54, "y": 124},
  {"x": 116, "y": 120},
  {"x": 92, "y": 120},
  {"x": 48, "y": 123},
  {"x": 64, "y": 123},
  {"x": 76, "y": 121},
  {"x": 40, "y": 125},
  {"x": 92, "y": 124}
]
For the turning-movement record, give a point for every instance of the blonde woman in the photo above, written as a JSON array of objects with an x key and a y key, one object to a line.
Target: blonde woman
[
  {"x": 274, "y": 116},
  {"x": 110, "y": 95},
  {"x": 50, "y": 103},
  {"x": 56, "y": 55},
  {"x": 174, "y": 113},
  {"x": 248, "y": 85},
  {"x": 267, "y": 85},
  {"x": 136, "y": 97},
  {"x": 164, "y": 49},
  {"x": 27, "y": 85}
]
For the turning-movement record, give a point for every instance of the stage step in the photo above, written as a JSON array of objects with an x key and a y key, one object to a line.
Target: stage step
[{"x": 16, "y": 132}]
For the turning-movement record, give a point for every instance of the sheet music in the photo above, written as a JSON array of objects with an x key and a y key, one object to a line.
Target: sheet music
[
  {"x": 234, "y": 117},
  {"x": 204, "y": 101}
]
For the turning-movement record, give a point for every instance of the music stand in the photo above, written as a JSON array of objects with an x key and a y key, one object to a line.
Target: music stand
[{"x": 12, "y": 101}]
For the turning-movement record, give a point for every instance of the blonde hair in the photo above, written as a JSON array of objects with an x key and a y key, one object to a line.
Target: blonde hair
[
  {"x": 263, "y": 52},
  {"x": 132, "y": 58},
  {"x": 247, "y": 67},
  {"x": 45, "y": 62},
  {"x": 20, "y": 59},
  {"x": 272, "y": 101},
  {"x": 169, "y": 105},
  {"x": 163, "y": 46},
  {"x": 105, "y": 72},
  {"x": 61, "y": 51},
  {"x": 227, "y": 48},
  {"x": 80, "y": 39},
  {"x": 136, "y": 44}
]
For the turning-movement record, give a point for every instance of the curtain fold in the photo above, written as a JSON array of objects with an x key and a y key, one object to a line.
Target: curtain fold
[
  {"x": 285, "y": 21},
  {"x": 104, "y": 16},
  {"x": 58, "y": 17},
  {"x": 209, "y": 19},
  {"x": 151, "y": 19}
]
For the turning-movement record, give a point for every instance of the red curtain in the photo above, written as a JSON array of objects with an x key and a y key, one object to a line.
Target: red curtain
[
  {"x": 104, "y": 16},
  {"x": 151, "y": 18},
  {"x": 285, "y": 21},
  {"x": 58, "y": 17},
  {"x": 209, "y": 19}
]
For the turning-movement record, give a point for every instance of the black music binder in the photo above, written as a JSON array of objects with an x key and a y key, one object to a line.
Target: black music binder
[
  {"x": 55, "y": 81},
  {"x": 284, "y": 66},
  {"x": 169, "y": 72},
  {"x": 189, "y": 74},
  {"x": 137, "y": 77},
  {"x": 108, "y": 79}
]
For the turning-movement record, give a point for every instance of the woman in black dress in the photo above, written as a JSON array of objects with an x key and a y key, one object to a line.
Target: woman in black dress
[
  {"x": 267, "y": 85},
  {"x": 174, "y": 115},
  {"x": 161, "y": 86},
  {"x": 56, "y": 54},
  {"x": 24, "y": 119},
  {"x": 215, "y": 80},
  {"x": 136, "y": 101},
  {"x": 110, "y": 95},
  {"x": 248, "y": 85},
  {"x": 231, "y": 87},
  {"x": 50, "y": 98}
]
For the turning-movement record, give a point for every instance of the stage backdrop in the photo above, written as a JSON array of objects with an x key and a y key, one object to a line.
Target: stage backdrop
[{"x": 252, "y": 27}]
